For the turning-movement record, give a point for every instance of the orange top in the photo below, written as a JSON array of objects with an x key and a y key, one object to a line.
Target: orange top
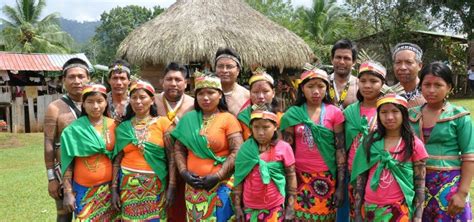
[
  {"x": 96, "y": 169},
  {"x": 133, "y": 157},
  {"x": 218, "y": 130},
  {"x": 246, "y": 132}
]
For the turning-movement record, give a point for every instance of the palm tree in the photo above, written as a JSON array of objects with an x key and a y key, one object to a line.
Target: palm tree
[{"x": 25, "y": 32}]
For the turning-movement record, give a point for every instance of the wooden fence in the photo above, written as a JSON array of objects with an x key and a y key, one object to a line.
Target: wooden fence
[{"x": 29, "y": 116}]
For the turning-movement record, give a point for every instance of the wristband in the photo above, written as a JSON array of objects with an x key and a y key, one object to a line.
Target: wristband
[{"x": 50, "y": 174}]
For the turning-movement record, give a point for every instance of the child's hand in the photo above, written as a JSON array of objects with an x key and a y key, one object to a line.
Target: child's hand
[{"x": 289, "y": 213}]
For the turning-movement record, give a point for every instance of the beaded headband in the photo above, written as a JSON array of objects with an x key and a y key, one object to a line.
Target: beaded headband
[
  {"x": 94, "y": 88},
  {"x": 392, "y": 95},
  {"x": 142, "y": 85},
  {"x": 374, "y": 67},
  {"x": 119, "y": 68},
  {"x": 75, "y": 65},
  {"x": 260, "y": 114},
  {"x": 206, "y": 80},
  {"x": 313, "y": 72},
  {"x": 408, "y": 46},
  {"x": 260, "y": 74},
  {"x": 228, "y": 57}
]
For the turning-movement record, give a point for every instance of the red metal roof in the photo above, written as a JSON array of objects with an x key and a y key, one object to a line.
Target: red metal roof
[{"x": 36, "y": 62}]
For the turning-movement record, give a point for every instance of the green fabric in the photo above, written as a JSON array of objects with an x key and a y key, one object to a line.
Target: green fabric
[
  {"x": 453, "y": 135},
  {"x": 354, "y": 124},
  {"x": 402, "y": 171},
  {"x": 188, "y": 133},
  {"x": 249, "y": 156},
  {"x": 81, "y": 139},
  {"x": 323, "y": 137},
  {"x": 244, "y": 116},
  {"x": 154, "y": 154}
]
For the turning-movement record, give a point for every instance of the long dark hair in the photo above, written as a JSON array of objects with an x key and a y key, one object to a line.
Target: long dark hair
[
  {"x": 275, "y": 105},
  {"x": 359, "y": 95},
  {"x": 406, "y": 133},
  {"x": 222, "y": 106},
  {"x": 131, "y": 113},
  {"x": 92, "y": 93},
  {"x": 300, "y": 99},
  {"x": 438, "y": 69}
]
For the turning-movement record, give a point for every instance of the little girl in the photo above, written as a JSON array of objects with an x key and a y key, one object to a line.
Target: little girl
[
  {"x": 265, "y": 172},
  {"x": 389, "y": 170}
]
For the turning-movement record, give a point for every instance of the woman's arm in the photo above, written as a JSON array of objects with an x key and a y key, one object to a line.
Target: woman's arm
[
  {"x": 341, "y": 161},
  {"x": 291, "y": 186},
  {"x": 171, "y": 160},
  {"x": 239, "y": 213},
  {"x": 458, "y": 200},
  {"x": 359, "y": 193},
  {"x": 234, "y": 140},
  {"x": 69, "y": 201},
  {"x": 419, "y": 169}
]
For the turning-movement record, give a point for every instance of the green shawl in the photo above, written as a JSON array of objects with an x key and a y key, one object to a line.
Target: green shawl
[
  {"x": 188, "y": 133},
  {"x": 354, "y": 124},
  {"x": 248, "y": 157},
  {"x": 81, "y": 139},
  {"x": 244, "y": 116},
  {"x": 402, "y": 171},
  {"x": 154, "y": 154},
  {"x": 323, "y": 137}
]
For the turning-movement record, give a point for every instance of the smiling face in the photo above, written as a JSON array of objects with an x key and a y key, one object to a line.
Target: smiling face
[
  {"x": 227, "y": 70},
  {"x": 174, "y": 85},
  {"x": 390, "y": 117},
  {"x": 263, "y": 130},
  {"x": 208, "y": 99},
  {"x": 261, "y": 92},
  {"x": 434, "y": 89},
  {"x": 74, "y": 81},
  {"x": 369, "y": 86},
  {"x": 141, "y": 102},
  {"x": 314, "y": 91},
  {"x": 95, "y": 105}
]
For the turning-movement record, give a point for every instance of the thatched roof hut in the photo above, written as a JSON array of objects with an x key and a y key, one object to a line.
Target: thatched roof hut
[{"x": 192, "y": 30}]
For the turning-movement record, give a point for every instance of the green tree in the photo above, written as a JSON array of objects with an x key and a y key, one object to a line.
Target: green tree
[
  {"x": 116, "y": 25},
  {"x": 454, "y": 13},
  {"x": 279, "y": 11},
  {"x": 25, "y": 32}
]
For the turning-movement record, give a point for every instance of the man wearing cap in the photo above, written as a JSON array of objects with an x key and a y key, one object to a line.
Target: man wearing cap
[
  {"x": 228, "y": 66},
  {"x": 407, "y": 64},
  {"x": 173, "y": 102},
  {"x": 59, "y": 115},
  {"x": 343, "y": 85},
  {"x": 119, "y": 80}
]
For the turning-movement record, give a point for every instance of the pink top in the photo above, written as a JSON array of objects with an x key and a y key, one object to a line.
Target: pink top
[
  {"x": 258, "y": 195},
  {"x": 389, "y": 191},
  {"x": 308, "y": 158},
  {"x": 369, "y": 113}
]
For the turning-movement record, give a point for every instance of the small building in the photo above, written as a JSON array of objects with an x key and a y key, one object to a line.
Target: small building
[{"x": 28, "y": 83}]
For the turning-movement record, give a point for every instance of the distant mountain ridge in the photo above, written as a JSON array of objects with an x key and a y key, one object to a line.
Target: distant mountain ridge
[{"x": 81, "y": 32}]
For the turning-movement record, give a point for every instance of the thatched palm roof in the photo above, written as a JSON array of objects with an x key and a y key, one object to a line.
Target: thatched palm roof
[{"x": 192, "y": 31}]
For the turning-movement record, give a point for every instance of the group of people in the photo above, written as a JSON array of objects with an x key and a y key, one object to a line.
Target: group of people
[{"x": 349, "y": 148}]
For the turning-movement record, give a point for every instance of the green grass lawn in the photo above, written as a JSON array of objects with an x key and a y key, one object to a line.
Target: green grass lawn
[{"x": 23, "y": 184}]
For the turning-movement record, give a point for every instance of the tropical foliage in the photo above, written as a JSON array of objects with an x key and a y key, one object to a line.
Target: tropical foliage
[{"x": 25, "y": 32}]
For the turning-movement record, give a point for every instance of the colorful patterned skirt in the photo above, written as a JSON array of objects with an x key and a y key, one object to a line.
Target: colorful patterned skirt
[
  {"x": 213, "y": 205},
  {"x": 314, "y": 197},
  {"x": 275, "y": 214},
  {"x": 93, "y": 203},
  {"x": 142, "y": 197},
  {"x": 396, "y": 212},
  {"x": 440, "y": 187}
]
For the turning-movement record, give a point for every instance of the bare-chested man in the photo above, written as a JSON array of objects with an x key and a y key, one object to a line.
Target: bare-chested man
[
  {"x": 61, "y": 113},
  {"x": 343, "y": 85},
  {"x": 173, "y": 103},
  {"x": 119, "y": 80},
  {"x": 228, "y": 66}
]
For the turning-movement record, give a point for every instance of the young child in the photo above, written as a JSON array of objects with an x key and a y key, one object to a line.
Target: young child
[
  {"x": 264, "y": 173},
  {"x": 389, "y": 170}
]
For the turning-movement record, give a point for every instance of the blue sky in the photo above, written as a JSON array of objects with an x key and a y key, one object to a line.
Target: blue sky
[{"x": 90, "y": 10}]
